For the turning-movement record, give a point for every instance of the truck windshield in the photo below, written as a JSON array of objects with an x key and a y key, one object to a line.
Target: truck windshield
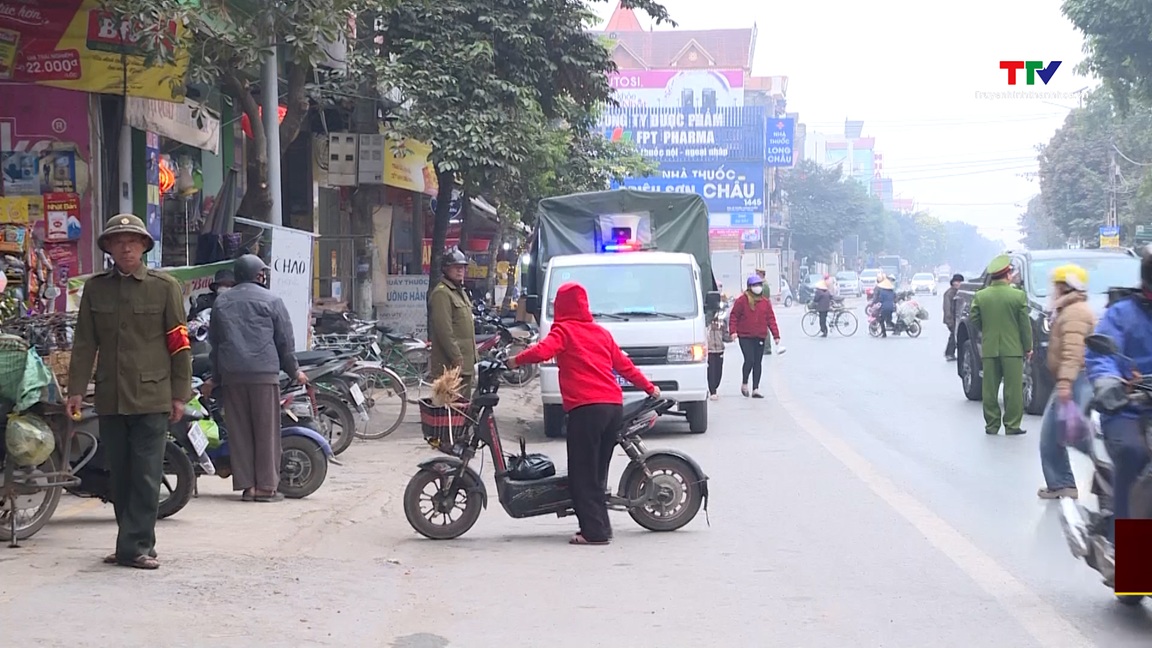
[
  {"x": 660, "y": 289},
  {"x": 1104, "y": 271}
]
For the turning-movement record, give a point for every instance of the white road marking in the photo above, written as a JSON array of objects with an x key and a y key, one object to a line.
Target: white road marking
[{"x": 1037, "y": 617}]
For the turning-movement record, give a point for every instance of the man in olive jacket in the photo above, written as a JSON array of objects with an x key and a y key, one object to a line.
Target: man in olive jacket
[
  {"x": 452, "y": 329},
  {"x": 1000, "y": 312},
  {"x": 133, "y": 317}
]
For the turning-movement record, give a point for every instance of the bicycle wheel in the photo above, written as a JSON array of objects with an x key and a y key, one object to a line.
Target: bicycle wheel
[
  {"x": 386, "y": 398},
  {"x": 810, "y": 324},
  {"x": 846, "y": 323}
]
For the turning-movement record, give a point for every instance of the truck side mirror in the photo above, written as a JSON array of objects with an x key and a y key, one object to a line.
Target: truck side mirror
[
  {"x": 532, "y": 304},
  {"x": 712, "y": 301}
]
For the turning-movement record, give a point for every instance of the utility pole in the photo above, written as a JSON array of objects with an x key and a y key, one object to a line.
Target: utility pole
[
  {"x": 270, "y": 105},
  {"x": 1113, "y": 171}
]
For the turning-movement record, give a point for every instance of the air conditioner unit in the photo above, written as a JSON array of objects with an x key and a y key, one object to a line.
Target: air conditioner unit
[{"x": 342, "y": 159}]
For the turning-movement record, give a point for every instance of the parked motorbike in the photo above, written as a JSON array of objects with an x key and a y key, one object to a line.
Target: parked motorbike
[
  {"x": 1087, "y": 530},
  {"x": 662, "y": 490},
  {"x": 305, "y": 453}
]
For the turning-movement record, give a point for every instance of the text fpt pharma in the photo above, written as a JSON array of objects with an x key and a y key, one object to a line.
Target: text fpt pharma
[{"x": 1032, "y": 69}]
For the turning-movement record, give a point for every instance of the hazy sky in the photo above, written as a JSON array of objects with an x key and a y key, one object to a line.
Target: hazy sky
[{"x": 911, "y": 71}]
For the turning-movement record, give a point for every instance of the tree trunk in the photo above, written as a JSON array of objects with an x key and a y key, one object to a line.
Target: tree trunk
[
  {"x": 495, "y": 246},
  {"x": 467, "y": 221},
  {"x": 447, "y": 180}
]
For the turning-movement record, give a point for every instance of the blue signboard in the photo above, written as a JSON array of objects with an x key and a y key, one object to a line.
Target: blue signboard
[
  {"x": 736, "y": 188},
  {"x": 732, "y": 134},
  {"x": 781, "y": 138}
]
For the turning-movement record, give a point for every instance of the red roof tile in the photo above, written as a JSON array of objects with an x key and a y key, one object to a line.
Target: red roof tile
[{"x": 724, "y": 49}]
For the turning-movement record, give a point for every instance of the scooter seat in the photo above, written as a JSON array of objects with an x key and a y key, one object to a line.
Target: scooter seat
[
  {"x": 634, "y": 408},
  {"x": 310, "y": 358},
  {"x": 484, "y": 337}
]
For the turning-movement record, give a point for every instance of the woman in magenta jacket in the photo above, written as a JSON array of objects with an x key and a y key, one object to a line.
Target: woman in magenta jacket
[{"x": 751, "y": 320}]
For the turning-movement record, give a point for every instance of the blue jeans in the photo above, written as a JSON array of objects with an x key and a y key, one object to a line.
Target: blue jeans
[
  {"x": 1124, "y": 439},
  {"x": 1053, "y": 454}
]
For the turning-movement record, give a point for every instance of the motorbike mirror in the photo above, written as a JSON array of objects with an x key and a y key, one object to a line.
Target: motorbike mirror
[
  {"x": 1101, "y": 344},
  {"x": 532, "y": 303}
]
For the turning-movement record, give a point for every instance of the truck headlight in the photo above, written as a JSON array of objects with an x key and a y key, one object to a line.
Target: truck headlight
[
  {"x": 687, "y": 353},
  {"x": 1045, "y": 326}
]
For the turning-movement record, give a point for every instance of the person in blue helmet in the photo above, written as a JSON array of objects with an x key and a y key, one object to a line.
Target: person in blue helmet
[
  {"x": 752, "y": 319},
  {"x": 1128, "y": 321}
]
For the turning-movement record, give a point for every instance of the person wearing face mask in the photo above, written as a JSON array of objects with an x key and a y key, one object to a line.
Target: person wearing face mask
[
  {"x": 221, "y": 283},
  {"x": 751, "y": 320}
]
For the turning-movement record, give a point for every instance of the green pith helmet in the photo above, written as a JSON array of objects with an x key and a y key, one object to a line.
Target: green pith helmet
[
  {"x": 999, "y": 265},
  {"x": 125, "y": 224}
]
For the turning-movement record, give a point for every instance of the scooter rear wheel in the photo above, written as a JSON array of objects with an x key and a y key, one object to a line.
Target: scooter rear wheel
[
  {"x": 678, "y": 490},
  {"x": 436, "y": 523},
  {"x": 178, "y": 468},
  {"x": 303, "y": 467}
]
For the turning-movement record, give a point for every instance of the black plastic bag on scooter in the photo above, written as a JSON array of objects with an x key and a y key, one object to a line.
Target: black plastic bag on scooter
[{"x": 529, "y": 467}]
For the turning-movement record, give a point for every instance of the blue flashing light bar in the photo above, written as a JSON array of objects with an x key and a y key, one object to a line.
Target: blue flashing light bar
[{"x": 622, "y": 246}]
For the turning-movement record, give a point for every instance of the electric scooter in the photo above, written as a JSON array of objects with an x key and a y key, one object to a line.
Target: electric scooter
[{"x": 662, "y": 490}]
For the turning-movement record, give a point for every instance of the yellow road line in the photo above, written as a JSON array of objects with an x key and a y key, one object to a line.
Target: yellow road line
[
  {"x": 1039, "y": 619},
  {"x": 85, "y": 504}
]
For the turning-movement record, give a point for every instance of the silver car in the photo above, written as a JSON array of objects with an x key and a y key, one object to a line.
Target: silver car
[
  {"x": 924, "y": 283},
  {"x": 848, "y": 283}
]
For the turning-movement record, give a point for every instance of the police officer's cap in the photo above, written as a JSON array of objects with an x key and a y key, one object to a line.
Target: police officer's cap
[
  {"x": 125, "y": 224},
  {"x": 999, "y": 264}
]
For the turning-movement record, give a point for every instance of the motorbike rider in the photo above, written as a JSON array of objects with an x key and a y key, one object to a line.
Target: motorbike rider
[
  {"x": 587, "y": 359},
  {"x": 1128, "y": 321},
  {"x": 221, "y": 283},
  {"x": 885, "y": 295}
]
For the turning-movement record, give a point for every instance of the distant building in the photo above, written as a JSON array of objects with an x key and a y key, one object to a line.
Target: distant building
[{"x": 712, "y": 49}]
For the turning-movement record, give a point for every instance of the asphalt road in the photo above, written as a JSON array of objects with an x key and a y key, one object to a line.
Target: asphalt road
[{"x": 859, "y": 504}]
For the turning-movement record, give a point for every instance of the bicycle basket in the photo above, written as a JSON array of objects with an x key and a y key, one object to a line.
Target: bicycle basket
[{"x": 443, "y": 427}]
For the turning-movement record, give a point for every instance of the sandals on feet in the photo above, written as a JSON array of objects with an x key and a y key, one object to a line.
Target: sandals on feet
[
  {"x": 579, "y": 539},
  {"x": 273, "y": 497},
  {"x": 110, "y": 559},
  {"x": 139, "y": 562},
  {"x": 247, "y": 496}
]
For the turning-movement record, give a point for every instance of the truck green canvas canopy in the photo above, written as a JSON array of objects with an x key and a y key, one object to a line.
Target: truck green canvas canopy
[{"x": 571, "y": 224}]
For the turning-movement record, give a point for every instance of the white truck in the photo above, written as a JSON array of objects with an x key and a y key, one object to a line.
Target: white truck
[{"x": 643, "y": 258}]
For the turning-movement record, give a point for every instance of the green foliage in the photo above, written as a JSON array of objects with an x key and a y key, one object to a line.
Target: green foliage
[
  {"x": 1117, "y": 43},
  {"x": 824, "y": 208},
  {"x": 1040, "y": 232}
]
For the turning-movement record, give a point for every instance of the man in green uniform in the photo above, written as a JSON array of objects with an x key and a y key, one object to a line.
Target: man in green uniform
[
  {"x": 132, "y": 325},
  {"x": 1000, "y": 312},
  {"x": 452, "y": 330}
]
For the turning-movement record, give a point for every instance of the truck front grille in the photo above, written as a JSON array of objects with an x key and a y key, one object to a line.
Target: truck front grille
[{"x": 657, "y": 355}]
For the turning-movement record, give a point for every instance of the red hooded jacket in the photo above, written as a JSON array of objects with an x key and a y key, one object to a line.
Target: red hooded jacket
[
  {"x": 585, "y": 353},
  {"x": 753, "y": 321}
]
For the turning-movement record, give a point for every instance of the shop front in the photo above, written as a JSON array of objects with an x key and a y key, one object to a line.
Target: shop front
[
  {"x": 185, "y": 152},
  {"x": 48, "y": 194}
]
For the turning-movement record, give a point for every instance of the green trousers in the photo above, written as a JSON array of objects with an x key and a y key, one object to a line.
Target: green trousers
[
  {"x": 134, "y": 446},
  {"x": 1010, "y": 371}
]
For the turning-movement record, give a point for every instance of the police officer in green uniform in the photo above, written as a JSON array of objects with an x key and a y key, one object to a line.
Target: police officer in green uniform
[
  {"x": 1000, "y": 312},
  {"x": 133, "y": 327},
  {"x": 452, "y": 332}
]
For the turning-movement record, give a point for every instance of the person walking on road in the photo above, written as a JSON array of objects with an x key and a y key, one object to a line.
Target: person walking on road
[
  {"x": 822, "y": 301},
  {"x": 1072, "y": 320},
  {"x": 885, "y": 295},
  {"x": 131, "y": 325},
  {"x": 752, "y": 319},
  {"x": 1000, "y": 312},
  {"x": 950, "y": 316},
  {"x": 767, "y": 293},
  {"x": 716, "y": 343},
  {"x": 252, "y": 342},
  {"x": 587, "y": 359},
  {"x": 452, "y": 328}
]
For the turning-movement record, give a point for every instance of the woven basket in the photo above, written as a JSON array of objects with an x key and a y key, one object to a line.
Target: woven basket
[{"x": 58, "y": 362}]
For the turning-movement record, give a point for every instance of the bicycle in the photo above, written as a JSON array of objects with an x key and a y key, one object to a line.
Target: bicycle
[
  {"x": 840, "y": 318},
  {"x": 385, "y": 392}
]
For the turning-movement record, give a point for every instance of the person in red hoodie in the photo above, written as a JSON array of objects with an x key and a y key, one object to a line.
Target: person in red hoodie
[
  {"x": 751, "y": 320},
  {"x": 588, "y": 359}
]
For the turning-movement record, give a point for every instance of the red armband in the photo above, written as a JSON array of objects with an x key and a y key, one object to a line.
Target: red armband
[{"x": 178, "y": 340}]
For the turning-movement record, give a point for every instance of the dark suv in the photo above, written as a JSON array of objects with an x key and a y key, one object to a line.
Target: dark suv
[{"x": 1107, "y": 268}]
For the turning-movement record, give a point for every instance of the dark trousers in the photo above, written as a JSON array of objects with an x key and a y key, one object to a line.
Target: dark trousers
[
  {"x": 886, "y": 323},
  {"x": 823, "y": 322},
  {"x": 950, "y": 350},
  {"x": 592, "y": 431},
  {"x": 715, "y": 371},
  {"x": 134, "y": 446},
  {"x": 252, "y": 414},
  {"x": 753, "y": 350},
  {"x": 1124, "y": 439}
]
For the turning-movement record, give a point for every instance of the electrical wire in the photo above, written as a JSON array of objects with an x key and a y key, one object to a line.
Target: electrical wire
[
  {"x": 928, "y": 124},
  {"x": 1121, "y": 154},
  {"x": 966, "y": 173}
]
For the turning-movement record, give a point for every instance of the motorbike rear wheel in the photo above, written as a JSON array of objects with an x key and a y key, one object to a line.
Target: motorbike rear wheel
[
  {"x": 303, "y": 467},
  {"x": 914, "y": 329},
  {"x": 178, "y": 465},
  {"x": 415, "y": 494},
  {"x": 48, "y": 501},
  {"x": 336, "y": 421},
  {"x": 678, "y": 491}
]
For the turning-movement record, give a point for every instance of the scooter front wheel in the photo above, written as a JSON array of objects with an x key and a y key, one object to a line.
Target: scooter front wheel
[
  {"x": 439, "y": 516},
  {"x": 674, "y": 494}
]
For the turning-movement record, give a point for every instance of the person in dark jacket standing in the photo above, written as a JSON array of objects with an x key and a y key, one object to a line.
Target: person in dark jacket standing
[
  {"x": 252, "y": 342},
  {"x": 452, "y": 331},
  {"x": 131, "y": 325},
  {"x": 587, "y": 358},
  {"x": 950, "y": 316},
  {"x": 751, "y": 320},
  {"x": 885, "y": 295},
  {"x": 822, "y": 300}
]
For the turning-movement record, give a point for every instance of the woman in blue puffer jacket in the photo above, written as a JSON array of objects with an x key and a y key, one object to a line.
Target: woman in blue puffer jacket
[{"x": 885, "y": 295}]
